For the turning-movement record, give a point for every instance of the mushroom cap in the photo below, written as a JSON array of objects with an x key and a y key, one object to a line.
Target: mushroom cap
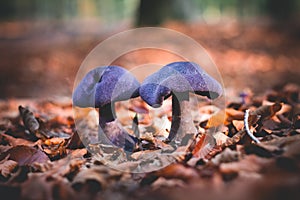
[
  {"x": 104, "y": 85},
  {"x": 178, "y": 77}
]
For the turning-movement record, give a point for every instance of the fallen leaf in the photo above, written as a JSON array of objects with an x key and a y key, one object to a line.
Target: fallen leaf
[
  {"x": 39, "y": 186},
  {"x": 224, "y": 117},
  {"x": 7, "y": 167},
  {"x": 292, "y": 150},
  {"x": 239, "y": 125},
  {"x": 285, "y": 122},
  {"x": 178, "y": 171},
  {"x": 55, "y": 148},
  {"x": 167, "y": 183},
  {"x": 29, "y": 120},
  {"x": 250, "y": 163},
  {"x": 203, "y": 146},
  {"x": 226, "y": 156},
  {"x": 12, "y": 141},
  {"x": 266, "y": 111},
  {"x": 296, "y": 121},
  {"x": 25, "y": 155},
  {"x": 90, "y": 180},
  {"x": 4, "y": 148},
  {"x": 270, "y": 124},
  {"x": 217, "y": 119},
  {"x": 75, "y": 141},
  {"x": 291, "y": 92}
]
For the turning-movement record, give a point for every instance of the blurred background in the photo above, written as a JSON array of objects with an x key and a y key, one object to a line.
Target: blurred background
[{"x": 43, "y": 43}]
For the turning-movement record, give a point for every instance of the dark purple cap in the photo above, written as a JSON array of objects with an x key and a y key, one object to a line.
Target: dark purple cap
[
  {"x": 104, "y": 85},
  {"x": 178, "y": 77}
]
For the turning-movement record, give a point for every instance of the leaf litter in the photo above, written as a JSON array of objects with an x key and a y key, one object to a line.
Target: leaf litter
[{"x": 43, "y": 157}]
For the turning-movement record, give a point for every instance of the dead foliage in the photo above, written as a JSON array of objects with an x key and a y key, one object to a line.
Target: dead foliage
[{"x": 42, "y": 156}]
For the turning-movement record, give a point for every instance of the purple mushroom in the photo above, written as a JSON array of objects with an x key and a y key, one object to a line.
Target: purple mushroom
[
  {"x": 101, "y": 88},
  {"x": 178, "y": 79}
]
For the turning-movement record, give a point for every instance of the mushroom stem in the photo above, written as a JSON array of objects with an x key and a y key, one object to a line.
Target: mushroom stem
[
  {"x": 106, "y": 114},
  {"x": 182, "y": 122},
  {"x": 111, "y": 132}
]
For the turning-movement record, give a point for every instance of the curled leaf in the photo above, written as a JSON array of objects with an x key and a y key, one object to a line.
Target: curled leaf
[
  {"x": 203, "y": 146},
  {"x": 7, "y": 167},
  {"x": 12, "y": 141},
  {"x": 25, "y": 155},
  {"x": 30, "y": 122},
  {"x": 55, "y": 148},
  {"x": 224, "y": 117},
  {"x": 267, "y": 111}
]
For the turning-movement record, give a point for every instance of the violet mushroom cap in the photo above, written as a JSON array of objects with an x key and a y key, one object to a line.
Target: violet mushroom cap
[
  {"x": 98, "y": 87},
  {"x": 178, "y": 78},
  {"x": 101, "y": 88}
]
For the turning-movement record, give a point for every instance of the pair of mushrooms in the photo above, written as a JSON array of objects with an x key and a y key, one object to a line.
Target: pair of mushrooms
[{"x": 103, "y": 86}]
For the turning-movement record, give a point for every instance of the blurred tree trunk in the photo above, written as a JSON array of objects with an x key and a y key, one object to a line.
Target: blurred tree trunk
[
  {"x": 156, "y": 12},
  {"x": 281, "y": 11}
]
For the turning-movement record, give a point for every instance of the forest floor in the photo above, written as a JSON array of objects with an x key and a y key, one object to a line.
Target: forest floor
[{"x": 48, "y": 160}]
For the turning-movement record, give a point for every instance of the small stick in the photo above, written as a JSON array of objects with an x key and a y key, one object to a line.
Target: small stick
[{"x": 247, "y": 127}]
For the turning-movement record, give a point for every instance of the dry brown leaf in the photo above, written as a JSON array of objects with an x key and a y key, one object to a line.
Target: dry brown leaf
[
  {"x": 29, "y": 120},
  {"x": 128, "y": 166},
  {"x": 232, "y": 114},
  {"x": 162, "y": 182},
  {"x": 90, "y": 180},
  {"x": 239, "y": 125},
  {"x": 266, "y": 111},
  {"x": 12, "y": 141},
  {"x": 292, "y": 150},
  {"x": 178, "y": 171},
  {"x": 75, "y": 141},
  {"x": 270, "y": 124},
  {"x": 4, "y": 148},
  {"x": 250, "y": 163},
  {"x": 7, "y": 167},
  {"x": 286, "y": 108},
  {"x": 285, "y": 122},
  {"x": 291, "y": 92},
  {"x": 39, "y": 186},
  {"x": 279, "y": 143},
  {"x": 36, "y": 187},
  {"x": 145, "y": 155},
  {"x": 224, "y": 117},
  {"x": 260, "y": 114},
  {"x": 25, "y": 155},
  {"x": 217, "y": 119},
  {"x": 55, "y": 148},
  {"x": 77, "y": 153},
  {"x": 226, "y": 156},
  {"x": 203, "y": 146},
  {"x": 296, "y": 121}
]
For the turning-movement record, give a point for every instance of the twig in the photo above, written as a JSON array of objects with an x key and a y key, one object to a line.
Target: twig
[{"x": 247, "y": 127}]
